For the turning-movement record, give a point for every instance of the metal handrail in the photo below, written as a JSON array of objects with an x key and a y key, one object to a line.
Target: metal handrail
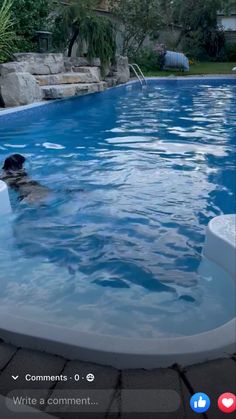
[
  {"x": 139, "y": 76},
  {"x": 140, "y": 71},
  {"x": 136, "y": 74}
]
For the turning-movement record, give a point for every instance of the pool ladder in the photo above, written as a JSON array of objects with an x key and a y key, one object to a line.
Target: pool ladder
[{"x": 139, "y": 74}]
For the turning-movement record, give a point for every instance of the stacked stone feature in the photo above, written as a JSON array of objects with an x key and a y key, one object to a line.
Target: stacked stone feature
[{"x": 34, "y": 77}]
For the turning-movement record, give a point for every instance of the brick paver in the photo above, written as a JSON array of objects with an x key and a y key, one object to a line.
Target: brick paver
[
  {"x": 213, "y": 378},
  {"x": 161, "y": 379},
  {"x": 105, "y": 379},
  {"x": 28, "y": 413},
  {"x": 34, "y": 363},
  {"x": 6, "y": 353}
]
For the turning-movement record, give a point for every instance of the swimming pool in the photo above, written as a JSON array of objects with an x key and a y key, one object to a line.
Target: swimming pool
[{"x": 123, "y": 256}]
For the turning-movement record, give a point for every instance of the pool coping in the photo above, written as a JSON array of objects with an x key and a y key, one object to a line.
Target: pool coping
[
  {"x": 117, "y": 351},
  {"x": 131, "y": 82}
]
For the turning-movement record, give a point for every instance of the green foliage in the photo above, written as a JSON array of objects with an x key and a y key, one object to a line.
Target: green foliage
[
  {"x": 191, "y": 43},
  {"x": 147, "y": 59},
  {"x": 7, "y": 35},
  {"x": 80, "y": 23},
  {"x": 201, "y": 37},
  {"x": 196, "y": 20},
  {"x": 29, "y": 16},
  {"x": 99, "y": 34},
  {"x": 206, "y": 45},
  {"x": 139, "y": 18},
  {"x": 231, "y": 52},
  {"x": 68, "y": 20}
]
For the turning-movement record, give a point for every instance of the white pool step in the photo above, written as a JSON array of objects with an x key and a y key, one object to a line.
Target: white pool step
[
  {"x": 5, "y": 206},
  {"x": 220, "y": 246}
]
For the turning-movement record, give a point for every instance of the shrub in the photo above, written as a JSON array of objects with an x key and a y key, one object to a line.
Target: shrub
[
  {"x": 28, "y": 17},
  {"x": 205, "y": 46},
  {"x": 6, "y": 33},
  {"x": 214, "y": 43},
  {"x": 99, "y": 34},
  {"x": 147, "y": 59},
  {"x": 78, "y": 23},
  {"x": 231, "y": 51}
]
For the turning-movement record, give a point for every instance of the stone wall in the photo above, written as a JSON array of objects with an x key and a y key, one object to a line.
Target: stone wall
[
  {"x": 34, "y": 77},
  {"x": 19, "y": 89}
]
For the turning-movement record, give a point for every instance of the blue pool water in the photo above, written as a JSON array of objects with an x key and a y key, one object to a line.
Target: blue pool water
[{"x": 123, "y": 256}]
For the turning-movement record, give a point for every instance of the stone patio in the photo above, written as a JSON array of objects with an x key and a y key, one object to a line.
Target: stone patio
[{"x": 214, "y": 378}]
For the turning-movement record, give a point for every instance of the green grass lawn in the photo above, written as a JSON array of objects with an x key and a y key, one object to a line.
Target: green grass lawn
[{"x": 197, "y": 69}]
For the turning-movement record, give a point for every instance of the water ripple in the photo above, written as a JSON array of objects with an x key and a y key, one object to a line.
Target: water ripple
[{"x": 135, "y": 179}]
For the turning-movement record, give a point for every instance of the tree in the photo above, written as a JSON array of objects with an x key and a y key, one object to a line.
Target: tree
[
  {"x": 79, "y": 21},
  {"x": 69, "y": 21},
  {"x": 139, "y": 18},
  {"x": 196, "y": 19},
  {"x": 6, "y": 33},
  {"x": 200, "y": 35}
]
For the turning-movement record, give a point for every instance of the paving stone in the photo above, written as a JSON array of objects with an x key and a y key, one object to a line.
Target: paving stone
[
  {"x": 13, "y": 67},
  {"x": 19, "y": 89},
  {"x": 66, "y": 90},
  {"x": 85, "y": 416},
  {"x": 73, "y": 412},
  {"x": 6, "y": 352},
  {"x": 69, "y": 78},
  {"x": 77, "y": 62},
  {"x": 159, "y": 379},
  {"x": 30, "y": 362},
  {"x": 106, "y": 378},
  {"x": 49, "y": 63},
  {"x": 111, "y": 81},
  {"x": 213, "y": 378},
  {"x": 93, "y": 72},
  {"x": 28, "y": 412},
  {"x": 186, "y": 397}
]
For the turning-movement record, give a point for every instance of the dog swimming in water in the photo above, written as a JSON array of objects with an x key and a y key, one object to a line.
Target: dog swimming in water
[
  {"x": 16, "y": 177},
  {"x": 29, "y": 190}
]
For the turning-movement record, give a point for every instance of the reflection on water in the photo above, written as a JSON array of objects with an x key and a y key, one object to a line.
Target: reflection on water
[{"x": 155, "y": 167}]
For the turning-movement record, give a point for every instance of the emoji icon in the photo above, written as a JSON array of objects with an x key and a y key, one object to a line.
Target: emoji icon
[
  {"x": 227, "y": 403},
  {"x": 90, "y": 377},
  {"x": 200, "y": 402}
]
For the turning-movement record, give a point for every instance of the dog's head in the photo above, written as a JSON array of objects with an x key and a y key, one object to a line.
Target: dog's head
[{"x": 14, "y": 163}]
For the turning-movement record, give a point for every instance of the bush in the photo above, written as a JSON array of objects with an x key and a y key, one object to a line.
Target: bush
[
  {"x": 78, "y": 23},
  {"x": 192, "y": 46},
  {"x": 214, "y": 43},
  {"x": 6, "y": 33},
  {"x": 28, "y": 17},
  {"x": 205, "y": 46},
  {"x": 231, "y": 51},
  {"x": 147, "y": 59}
]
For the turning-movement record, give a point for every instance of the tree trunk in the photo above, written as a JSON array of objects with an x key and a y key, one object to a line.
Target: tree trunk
[{"x": 72, "y": 41}]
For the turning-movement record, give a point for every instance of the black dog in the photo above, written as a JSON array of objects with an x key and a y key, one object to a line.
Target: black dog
[{"x": 17, "y": 178}]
